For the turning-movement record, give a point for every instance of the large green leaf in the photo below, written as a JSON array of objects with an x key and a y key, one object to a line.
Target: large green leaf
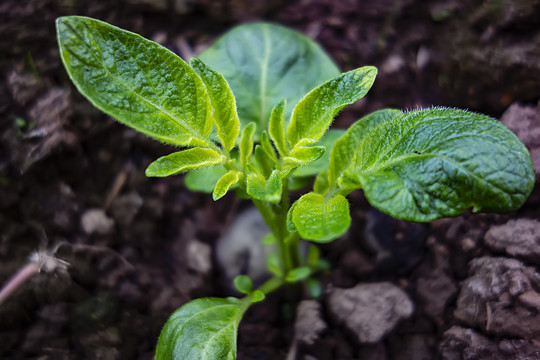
[
  {"x": 223, "y": 103},
  {"x": 319, "y": 218},
  {"x": 343, "y": 151},
  {"x": 315, "y": 112},
  {"x": 185, "y": 160},
  {"x": 263, "y": 63},
  {"x": 203, "y": 329},
  {"x": 433, "y": 163},
  {"x": 136, "y": 81}
]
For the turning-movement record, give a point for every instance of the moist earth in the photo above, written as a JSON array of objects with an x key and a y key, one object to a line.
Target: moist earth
[{"x": 72, "y": 183}]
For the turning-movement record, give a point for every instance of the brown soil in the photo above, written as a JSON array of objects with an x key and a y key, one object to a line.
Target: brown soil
[{"x": 72, "y": 180}]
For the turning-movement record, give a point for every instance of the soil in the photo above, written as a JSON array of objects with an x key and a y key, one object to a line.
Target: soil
[{"x": 72, "y": 183}]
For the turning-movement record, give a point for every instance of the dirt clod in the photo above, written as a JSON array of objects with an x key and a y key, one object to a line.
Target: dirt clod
[
  {"x": 309, "y": 323},
  {"x": 519, "y": 238},
  {"x": 370, "y": 311}
]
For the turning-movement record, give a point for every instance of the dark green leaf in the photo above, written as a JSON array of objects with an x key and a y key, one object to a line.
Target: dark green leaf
[
  {"x": 438, "y": 162},
  {"x": 265, "y": 62},
  {"x": 223, "y": 103},
  {"x": 315, "y": 112},
  {"x": 183, "y": 161},
  {"x": 136, "y": 81},
  {"x": 203, "y": 329},
  {"x": 321, "y": 219}
]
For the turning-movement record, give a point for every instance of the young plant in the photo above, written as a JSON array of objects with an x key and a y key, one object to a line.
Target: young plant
[{"x": 251, "y": 114}]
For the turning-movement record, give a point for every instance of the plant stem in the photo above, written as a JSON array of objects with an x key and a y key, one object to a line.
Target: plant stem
[{"x": 271, "y": 285}]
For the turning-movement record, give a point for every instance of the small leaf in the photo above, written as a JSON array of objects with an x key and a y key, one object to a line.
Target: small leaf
[
  {"x": 302, "y": 155},
  {"x": 268, "y": 149},
  {"x": 298, "y": 274},
  {"x": 263, "y": 161},
  {"x": 344, "y": 148},
  {"x": 315, "y": 112},
  {"x": 223, "y": 103},
  {"x": 265, "y": 189},
  {"x": 314, "y": 288},
  {"x": 269, "y": 239},
  {"x": 438, "y": 162},
  {"x": 136, "y": 81},
  {"x": 273, "y": 264},
  {"x": 202, "y": 329},
  {"x": 277, "y": 127},
  {"x": 257, "y": 296},
  {"x": 321, "y": 164},
  {"x": 204, "y": 179},
  {"x": 246, "y": 144},
  {"x": 183, "y": 161},
  {"x": 320, "y": 219},
  {"x": 321, "y": 184},
  {"x": 224, "y": 184},
  {"x": 313, "y": 256},
  {"x": 289, "y": 223},
  {"x": 263, "y": 63},
  {"x": 243, "y": 284}
]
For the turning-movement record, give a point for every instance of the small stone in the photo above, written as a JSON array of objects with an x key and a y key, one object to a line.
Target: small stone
[
  {"x": 125, "y": 207},
  {"x": 519, "y": 238},
  {"x": 370, "y": 311},
  {"x": 462, "y": 343},
  {"x": 199, "y": 257},
  {"x": 96, "y": 221},
  {"x": 530, "y": 299},
  {"x": 309, "y": 324}
]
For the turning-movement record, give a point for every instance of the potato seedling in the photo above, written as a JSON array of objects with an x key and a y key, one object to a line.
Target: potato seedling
[{"x": 252, "y": 114}]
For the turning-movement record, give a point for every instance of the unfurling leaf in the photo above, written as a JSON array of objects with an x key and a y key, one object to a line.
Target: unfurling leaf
[
  {"x": 183, "y": 161},
  {"x": 438, "y": 162},
  {"x": 277, "y": 127},
  {"x": 315, "y": 112},
  {"x": 225, "y": 183},
  {"x": 246, "y": 144},
  {"x": 223, "y": 103},
  {"x": 202, "y": 329},
  {"x": 136, "y": 81},
  {"x": 265, "y": 189},
  {"x": 265, "y": 62},
  {"x": 321, "y": 219}
]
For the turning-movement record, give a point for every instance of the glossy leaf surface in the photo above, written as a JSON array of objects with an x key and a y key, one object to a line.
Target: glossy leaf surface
[
  {"x": 433, "y": 163},
  {"x": 223, "y": 103},
  {"x": 183, "y": 161},
  {"x": 321, "y": 219},
  {"x": 203, "y": 329},
  {"x": 263, "y": 63},
  {"x": 315, "y": 112},
  {"x": 136, "y": 81}
]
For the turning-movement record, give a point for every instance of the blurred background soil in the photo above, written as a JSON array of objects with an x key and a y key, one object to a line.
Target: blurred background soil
[{"x": 72, "y": 180}]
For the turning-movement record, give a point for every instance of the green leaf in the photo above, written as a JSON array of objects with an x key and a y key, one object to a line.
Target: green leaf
[
  {"x": 263, "y": 63},
  {"x": 289, "y": 222},
  {"x": 183, "y": 161},
  {"x": 202, "y": 329},
  {"x": 204, "y": 179},
  {"x": 224, "y": 184},
  {"x": 223, "y": 103},
  {"x": 298, "y": 274},
  {"x": 257, "y": 296},
  {"x": 246, "y": 144},
  {"x": 265, "y": 189},
  {"x": 302, "y": 155},
  {"x": 438, "y": 162},
  {"x": 321, "y": 164},
  {"x": 321, "y": 184},
  {"x": 136, "y": 81},
  {"x": 313, "y": 256},
  {"x": 277, "y": 127},
  {"x": 321, "y": 219},
  {"x": 315, "y": 112},
  {"x": 263, "y": 161},
  {"x": 269, "y": 239},
  {"x": 273, "y": 264},
  {"x": 315, "y": 288},
  {"x": 243, "y": 284},
  {"x": 344, "y": 149},
  {"x": 267, "y": 147}
]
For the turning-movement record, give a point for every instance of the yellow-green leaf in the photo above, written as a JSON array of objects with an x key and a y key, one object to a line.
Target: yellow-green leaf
[
  {"x": 265, "y": 189},
  {"x": 277, "y": 127},
  {"x": 225, "y": 183},
  {"x": 183, "y": 161}
]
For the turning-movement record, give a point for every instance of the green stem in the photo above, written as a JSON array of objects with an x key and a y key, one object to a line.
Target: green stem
[{"x": 271, "y": 285}]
